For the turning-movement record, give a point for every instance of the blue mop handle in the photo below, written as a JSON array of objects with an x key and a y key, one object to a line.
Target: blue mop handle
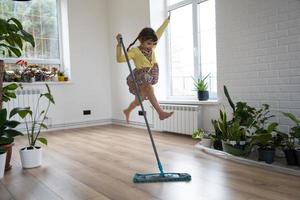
[{"x": 142, "y": 107}]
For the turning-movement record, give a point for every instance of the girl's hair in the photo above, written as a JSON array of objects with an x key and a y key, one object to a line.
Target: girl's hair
[{"x": 145, "y": 34}]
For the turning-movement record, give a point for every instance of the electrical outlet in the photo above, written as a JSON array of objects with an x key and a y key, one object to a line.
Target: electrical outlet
[
  {"x": 141, "y": 113},
  {"x": 86, "y": 112}
]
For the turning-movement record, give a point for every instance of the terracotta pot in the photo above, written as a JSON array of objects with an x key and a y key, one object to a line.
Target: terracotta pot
[{"x": 8, "y": 149}]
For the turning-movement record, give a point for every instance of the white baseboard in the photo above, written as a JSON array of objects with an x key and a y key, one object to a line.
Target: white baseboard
[
  {"x": 83, "y": 124},
  {"x": 130, "y": 124}
]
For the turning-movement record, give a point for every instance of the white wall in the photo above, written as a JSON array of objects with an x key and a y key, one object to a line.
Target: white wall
[
  {"x": 258, "y": 51},
  {"x": 90, "y": 87},
  {"x": 128, "y": 18}
]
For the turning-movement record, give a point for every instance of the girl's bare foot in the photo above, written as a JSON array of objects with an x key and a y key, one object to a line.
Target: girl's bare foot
[
  {"x": 126, "y": 113},
  {"x": 165, "y": 115}
]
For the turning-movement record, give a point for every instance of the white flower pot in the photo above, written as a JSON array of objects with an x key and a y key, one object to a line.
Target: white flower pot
[
  {"x": 31, "y": 157},
  {"x": 206, "y": 142},
  {"x": 2, "y": 164}
]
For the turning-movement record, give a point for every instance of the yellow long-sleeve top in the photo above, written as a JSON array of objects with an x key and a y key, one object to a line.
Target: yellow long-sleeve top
[{"x": 137, "y": 56}]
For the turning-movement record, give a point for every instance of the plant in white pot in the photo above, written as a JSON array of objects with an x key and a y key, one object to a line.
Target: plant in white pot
[
  {"x": 31, "y": 156},
  {"x": 2, "y": 162},
  {"x": 205, "y": 137}
]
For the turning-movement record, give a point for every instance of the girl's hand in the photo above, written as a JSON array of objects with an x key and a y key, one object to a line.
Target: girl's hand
[{"x": 118, "y": 37}]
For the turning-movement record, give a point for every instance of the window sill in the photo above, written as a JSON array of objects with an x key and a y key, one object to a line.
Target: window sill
[
  {"x": 41, "y": 83},
  {"x": 189, "y": 102}
]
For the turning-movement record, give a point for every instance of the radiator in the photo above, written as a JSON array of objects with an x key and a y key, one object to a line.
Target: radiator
[
  {"x": 185, "y": 120},
  {"x": 25, "y": 98}
]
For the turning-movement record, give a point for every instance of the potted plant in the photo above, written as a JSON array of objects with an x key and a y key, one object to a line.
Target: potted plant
[
  {"x": 233, "y": 136},
  {"x": 61, "y": 76},
  {"x": 8, "y": 133},
  {"x": 7, "y": 126},
  {"x": 265, "y": 141},
  {"x": 31, "y": 156},
  {"x": 217, "y": 137},
  {"x": 201, "y": 87},
  {"x": 205, "y": 137},
  {"x": 292, "y": 154},
  {"x": 2, "y": 162}
]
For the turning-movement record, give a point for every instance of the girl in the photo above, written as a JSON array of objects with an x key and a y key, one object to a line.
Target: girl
[{"x": 146, "y": 71}]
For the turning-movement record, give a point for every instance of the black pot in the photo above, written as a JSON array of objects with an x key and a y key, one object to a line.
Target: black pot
[
  {"x": 290, "y": 155},
  {"x": 297, "y": 151},
  {"x": 266, "y": 155},
  {"x": 203, "y": 95},
  {"x": 218, "y": 145}
]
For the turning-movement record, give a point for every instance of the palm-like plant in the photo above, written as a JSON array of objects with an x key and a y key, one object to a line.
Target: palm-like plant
[{"x": 37, "y": 119}]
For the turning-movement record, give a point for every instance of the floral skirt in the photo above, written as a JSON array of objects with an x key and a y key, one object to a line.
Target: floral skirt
[{"x": 143, "y": 77}]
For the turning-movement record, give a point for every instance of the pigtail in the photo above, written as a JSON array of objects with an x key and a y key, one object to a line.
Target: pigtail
[{"x": 132, "y": 43}]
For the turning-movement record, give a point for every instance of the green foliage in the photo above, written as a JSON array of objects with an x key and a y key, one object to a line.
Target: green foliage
[
  {"x": 263, "y": 136},
  {"x": 37, "y": 118},
  {"x": 13, "y": 36},
  {"x": 9, "y": 92},
  {"x": 218, "y": 134},
  {"x": 200, "y": 134},
  {"x": 7, "y": 128},
  {"x": 201, "y": 84},
  {"x": 229, "y": 98},
  {"x": 290, "y": 139}
]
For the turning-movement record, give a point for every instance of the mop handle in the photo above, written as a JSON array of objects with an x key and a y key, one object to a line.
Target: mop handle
[{"x": 137, "y": 89}]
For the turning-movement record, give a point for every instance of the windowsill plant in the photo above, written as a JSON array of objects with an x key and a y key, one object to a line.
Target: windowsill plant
[{"x": 201, "y": 87}]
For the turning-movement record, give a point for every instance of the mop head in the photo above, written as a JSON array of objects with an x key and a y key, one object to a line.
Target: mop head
[{"x": 157, "y": 177}]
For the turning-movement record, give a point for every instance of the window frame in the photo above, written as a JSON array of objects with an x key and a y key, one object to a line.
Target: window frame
[
  {"x": 59, "y": 61},
  {"x": 196, "y": 45}
]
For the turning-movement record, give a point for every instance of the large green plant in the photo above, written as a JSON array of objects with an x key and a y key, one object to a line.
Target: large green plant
[
  {"x": 289, "y": 140},
  {"x": 242, "y": 112},
  {"x": 231, "y": 130},
  {"x": 12, "y": 37},
  {"x": 36, "y": 123},
  {"x": 201, "y": 84},
  {"x": 263, "y": 136},
  {"x": 7, "y": 126}
]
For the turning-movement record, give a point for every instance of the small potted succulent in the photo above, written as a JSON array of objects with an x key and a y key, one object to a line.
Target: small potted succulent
[
  {"x": 2, "y": 162},
  {"x": 205, "y": 137},
  {"x": 201, "y": 87},
  {"x": 31, "y": 155}
]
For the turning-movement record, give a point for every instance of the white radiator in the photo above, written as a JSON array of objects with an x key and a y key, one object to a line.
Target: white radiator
[
  {"x": 27, "y": 97},
  {"x": 185, "y": 120}
]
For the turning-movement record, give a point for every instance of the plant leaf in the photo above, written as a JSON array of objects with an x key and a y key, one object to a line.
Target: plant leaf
[
  {"x": 10, "y": 133},
  {"x": 43, "y": 140}
]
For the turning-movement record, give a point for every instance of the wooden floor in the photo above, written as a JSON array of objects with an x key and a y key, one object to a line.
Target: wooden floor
[{"x": 99, "y": 162}]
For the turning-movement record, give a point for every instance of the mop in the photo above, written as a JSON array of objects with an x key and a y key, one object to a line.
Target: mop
[{"x": 152, "y": 177}]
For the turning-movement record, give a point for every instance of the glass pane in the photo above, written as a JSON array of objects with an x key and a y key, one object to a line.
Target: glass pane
[
  {"x": 40, "y": 19},
  {"x": 182, "y": 59},
  {"x": 207, "y": 39}
]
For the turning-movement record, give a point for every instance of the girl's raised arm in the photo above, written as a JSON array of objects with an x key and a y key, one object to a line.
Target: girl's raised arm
[{"x": 162, "y": 28}]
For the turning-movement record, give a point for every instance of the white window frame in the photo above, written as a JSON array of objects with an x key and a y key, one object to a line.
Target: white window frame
[
  {"x": 59, "y": 61},
  {"x": 196, "y": 45}
]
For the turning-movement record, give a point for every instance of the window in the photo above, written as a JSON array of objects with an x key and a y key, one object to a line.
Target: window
[
  {"x": 192, "y": 46},
  {"x": 40, "y": 18}
]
